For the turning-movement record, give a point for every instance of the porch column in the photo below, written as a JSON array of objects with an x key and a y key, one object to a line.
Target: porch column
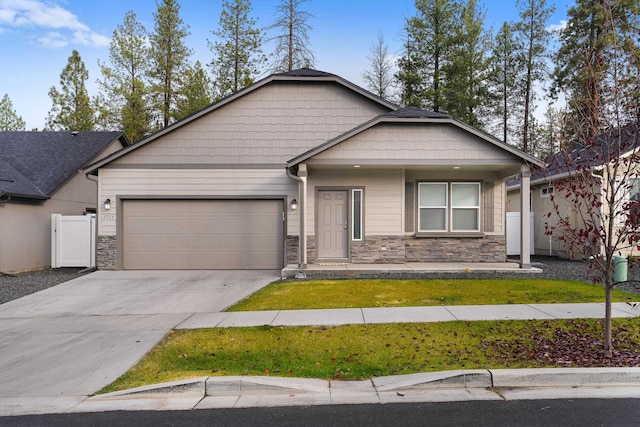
[
  {"x": 525, "y": 224},
  {"x": 302, "y": 240}
]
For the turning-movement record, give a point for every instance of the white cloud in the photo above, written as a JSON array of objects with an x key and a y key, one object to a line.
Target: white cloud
[
  {"x": 556, "y": 28},
  {"x": 38, "y": 14},
  {"x": 90, "y": 38},
  {"x": 54, "y": 40}
]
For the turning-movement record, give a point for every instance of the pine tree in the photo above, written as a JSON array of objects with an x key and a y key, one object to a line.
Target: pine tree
[
  {"x": 379, "y": 78},
  {"x": 596, "y": 32},
  {"x": 292, "y": 41},
  {"x": 125, "y": 80},
  {"x": 9, "y": 118},
  {"x": 467, "y": 92},
  {"x": 534, "y": 39},
  {"x": 429, "y": 41},
  {"x": 196, "y": 92},
  {"x": 72, "y": 109},
  {"x": 238, "y": 56},
  {"x": 505, "y": 74},
  {"x": 169, "y": 58}
]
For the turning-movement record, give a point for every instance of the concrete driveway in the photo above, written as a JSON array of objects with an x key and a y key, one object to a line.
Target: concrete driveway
[{"x": 59, "y": 345}]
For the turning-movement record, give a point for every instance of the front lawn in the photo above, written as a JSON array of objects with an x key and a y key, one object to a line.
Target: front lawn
[
  {"x": 364, "y": 351},
  {"x": 317, "y": 294}
]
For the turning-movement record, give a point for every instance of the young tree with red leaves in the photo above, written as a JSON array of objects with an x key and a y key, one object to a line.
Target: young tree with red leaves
[{"x": 595, "y": 205}]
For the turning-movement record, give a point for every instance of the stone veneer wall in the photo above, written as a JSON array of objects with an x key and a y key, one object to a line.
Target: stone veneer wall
[
  {"x": 292, "y": 249},
  {"x": 462, "y": 249},
  {"x": 106, "y": 255},
  {"x": 394, "y": 249}
]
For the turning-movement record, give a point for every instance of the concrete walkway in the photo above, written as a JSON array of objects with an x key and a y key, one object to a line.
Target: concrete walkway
[{"x": 405, "y": 315}]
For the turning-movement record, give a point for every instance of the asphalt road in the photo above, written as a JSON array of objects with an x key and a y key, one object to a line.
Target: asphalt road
[{"x": 548, "y": 413}]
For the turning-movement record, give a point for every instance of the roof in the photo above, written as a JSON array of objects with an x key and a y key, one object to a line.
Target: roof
[
  {"x": 586, "y": 156},
  {"x": 415, "y": 115},
  {"x": 299, "y": 75},
  {"x": 35, "y": 164}
]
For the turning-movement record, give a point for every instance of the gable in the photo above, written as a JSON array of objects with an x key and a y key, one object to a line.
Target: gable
[
  {"x": 414, "y": 143},
  {"x": 267, "y": 126}
]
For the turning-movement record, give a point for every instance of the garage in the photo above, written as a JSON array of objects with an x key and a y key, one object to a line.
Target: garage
[{"x": 202, "y": 234}]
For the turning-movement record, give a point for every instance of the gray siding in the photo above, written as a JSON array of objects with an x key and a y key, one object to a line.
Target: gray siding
[
  {"x": 25, "y": 228},
  {"x": 417, "y": 144},
  {"x": 268, "y": 126},
  {"x": 205, "y": 183}
]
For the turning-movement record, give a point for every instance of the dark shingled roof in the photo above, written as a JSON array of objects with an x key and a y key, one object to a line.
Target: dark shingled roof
[
  {"x": 306, "y": 72},
  {"x": 35, "y": 164},
  {"x": 415, "y": 113}
]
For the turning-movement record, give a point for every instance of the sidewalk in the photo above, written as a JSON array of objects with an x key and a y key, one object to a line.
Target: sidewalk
[
  {"x": 243, "y": 392},
  {"x": 404, "y": 315}
]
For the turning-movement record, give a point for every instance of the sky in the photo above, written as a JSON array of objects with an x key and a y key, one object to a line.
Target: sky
[{"x": 38, "y": 36}]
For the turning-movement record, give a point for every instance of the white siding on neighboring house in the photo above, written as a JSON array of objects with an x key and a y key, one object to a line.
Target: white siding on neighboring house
[
  {"x": 268, "y": 126},
  {"x": 383, "y": 197},
  {"x": 207, "y": 183}
]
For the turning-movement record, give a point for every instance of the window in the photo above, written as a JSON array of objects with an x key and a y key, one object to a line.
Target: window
[
  {"x": 356, "y": 214},
  {"x": 448, "y": 207},
  {"x": 546, "y": 192}
]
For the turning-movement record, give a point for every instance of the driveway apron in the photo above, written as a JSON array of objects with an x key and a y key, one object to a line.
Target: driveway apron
[{"x": 75, "y": 338}]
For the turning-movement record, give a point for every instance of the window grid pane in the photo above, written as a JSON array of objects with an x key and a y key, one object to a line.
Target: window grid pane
[
  {"x": 433, "y": 206},
  {"x": 436, "y": 212}
]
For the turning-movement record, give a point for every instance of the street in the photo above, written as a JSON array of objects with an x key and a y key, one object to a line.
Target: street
[{"x": 557, "y": 412}]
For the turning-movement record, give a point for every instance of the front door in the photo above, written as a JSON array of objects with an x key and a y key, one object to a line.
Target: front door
[{"x": 333, "y": 226}]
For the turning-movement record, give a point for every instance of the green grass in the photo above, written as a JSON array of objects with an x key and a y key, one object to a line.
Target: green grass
[
  {"x": 357, "y": 351},
  {"x": 318, "y": 294}
]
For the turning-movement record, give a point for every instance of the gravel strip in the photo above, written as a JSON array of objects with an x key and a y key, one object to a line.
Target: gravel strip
[
  {"x": 16, "y": 286},
  {"x": 19, "y": 285}
]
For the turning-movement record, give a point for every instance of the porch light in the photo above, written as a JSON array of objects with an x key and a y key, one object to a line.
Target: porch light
[
  {"x": 294, "y": 204},
  {"x": 107, "y": 204}
]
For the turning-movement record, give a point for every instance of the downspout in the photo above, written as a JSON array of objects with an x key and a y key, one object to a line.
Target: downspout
[{"x": 302, "y": 237}]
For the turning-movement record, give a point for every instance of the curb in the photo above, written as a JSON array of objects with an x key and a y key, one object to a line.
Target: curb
[{"x": 238, "y": 386}]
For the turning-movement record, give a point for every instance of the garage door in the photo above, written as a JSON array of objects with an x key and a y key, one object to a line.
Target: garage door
[{"x": 202, "y": 234}]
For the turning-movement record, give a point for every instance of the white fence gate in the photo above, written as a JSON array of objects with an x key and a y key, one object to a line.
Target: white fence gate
[
  {"x": 513, "y": 233},
  {"x": 73, "y": 241}
]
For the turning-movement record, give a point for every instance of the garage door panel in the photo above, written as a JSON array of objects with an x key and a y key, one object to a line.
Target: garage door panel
[{"x": 202, "y": 234}]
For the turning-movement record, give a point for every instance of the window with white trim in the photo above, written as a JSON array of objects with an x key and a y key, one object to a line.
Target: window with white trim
[
  {"x": 546, "y": 191},
  {"x": 356, "y": 215},
  {"x": 448, "y": 207}
]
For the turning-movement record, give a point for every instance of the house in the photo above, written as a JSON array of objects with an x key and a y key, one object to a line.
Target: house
[
  {"x": 305, "y": 167},
  {"x": 591, "y": 160},
  {"x": 40, "y": 175}
]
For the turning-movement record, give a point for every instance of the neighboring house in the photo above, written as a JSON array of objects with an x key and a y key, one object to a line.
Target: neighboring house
[
  {"x": 305, "y": 153},
  {"x": 559, "y": 167},
  {"x": 39, "y": 175}
]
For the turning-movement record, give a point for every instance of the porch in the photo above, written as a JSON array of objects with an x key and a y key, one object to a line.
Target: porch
[{"x": 345, "y": 269}]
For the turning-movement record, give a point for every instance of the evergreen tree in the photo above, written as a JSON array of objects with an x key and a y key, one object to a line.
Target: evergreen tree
[
  {"x": 9, "y": 118},
  {"x": 597, "y": 32},
  {"x": 429, "y": 41},
  {"x": 379, "y": 78},
  {"x": 196, "y": 93},
  {"x": 506, "y": 68},
  {"x": 534, "y": 39},
  {"x": 468, "y": 97},
  {"x": 169, "y": 57},
  {"x": 72, "y": 109},
  {"x": 124, "y": 81},
  {"x": 292, "y": 41},
  {"x": 238, "y": 56}
]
